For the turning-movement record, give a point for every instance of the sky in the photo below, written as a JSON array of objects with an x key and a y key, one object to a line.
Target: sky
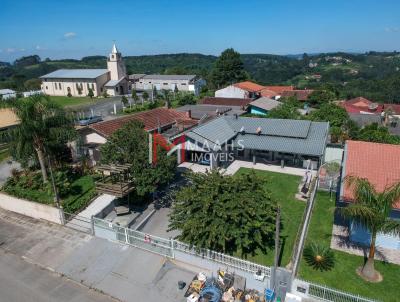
[{"x": 76, "y": 28}]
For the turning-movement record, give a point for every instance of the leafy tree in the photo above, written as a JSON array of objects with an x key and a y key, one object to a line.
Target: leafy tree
[
  {"x": 377, "y": 134},
  {"x": 176, "y": 90},
  {"x": 287, "y": 110},
  {"x": 130, "y": 145},
  {"x": 44, "y": 127},
  {"x": 145, "y": 96},
  {"x": 228, "y": 69},
  {"x": 135, "y": 97},
  {"x": 372, "y": 210},
  {"x": 319, "y": 97},
  {"x": 32, "y": 84},
  {"x": 167, "y": 97},
  {"x": 105, "y": 94},
  {"x": 90, "y": 93},
  {"x": 154, "y": 93},
  {"x": 225, "y": 213},
  {"x": 185, "y": 98},
  {"x": 124, "y": 101}
]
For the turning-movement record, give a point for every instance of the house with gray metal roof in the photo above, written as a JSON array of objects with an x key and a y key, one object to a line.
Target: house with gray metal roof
[
  {"x": 263, "y": 105},
  {"x": 272, "y": 141},
  {"x": 180, "y": 82},
  {"x": 78, "y": 82}
]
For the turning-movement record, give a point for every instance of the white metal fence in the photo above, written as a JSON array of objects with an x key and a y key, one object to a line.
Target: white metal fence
[
  {"x": 324, "y": 293},
  {"x": 172, "y": 248}
]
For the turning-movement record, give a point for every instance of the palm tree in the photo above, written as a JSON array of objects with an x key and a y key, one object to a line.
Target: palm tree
[
  {"x": 43, "y": 125},
  {"x": 372, "y": 210}
]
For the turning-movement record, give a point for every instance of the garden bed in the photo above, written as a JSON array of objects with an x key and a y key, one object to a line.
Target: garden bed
[
  {"x": 76, "y": 190},
  {"x": 343, "y": 275}
]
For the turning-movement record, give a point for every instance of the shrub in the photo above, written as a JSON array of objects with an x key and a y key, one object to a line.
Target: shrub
[
  {"x": 69, "y": 94},
  {"x": 319, "y": 257}
]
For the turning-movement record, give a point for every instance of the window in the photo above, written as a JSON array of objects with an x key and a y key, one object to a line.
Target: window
[
  {"x": 116, "y": 89},
  {"x": 92, "y": 86},
  {"x": 183, "y": 84},
  {"x": 55, "y": 85},
  {"x": 112, "y": 56},
  {"x": 59, "y": 85},
  {"x": 47, "y": 87},
  {"x": 88, "y": 87},
  {"x": 165, "y": 83}
]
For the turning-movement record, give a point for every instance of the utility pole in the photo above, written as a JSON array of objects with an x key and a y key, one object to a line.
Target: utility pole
[{"x": 277, "y": 248}]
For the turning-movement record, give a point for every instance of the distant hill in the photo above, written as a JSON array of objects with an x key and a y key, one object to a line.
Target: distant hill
[{"x": 374, "y": 74}]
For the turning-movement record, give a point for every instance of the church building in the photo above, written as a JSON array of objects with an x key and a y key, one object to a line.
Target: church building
[{"x": 78, "y": 82}]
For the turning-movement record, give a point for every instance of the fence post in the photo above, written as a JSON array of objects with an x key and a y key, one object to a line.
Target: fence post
[{"x": 126, "y": 236}]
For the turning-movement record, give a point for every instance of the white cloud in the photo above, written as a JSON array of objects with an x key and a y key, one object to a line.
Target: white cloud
[
  {"x": 10, "y": 50},
  {"x": 392, "y": 29},
  {"x": 69, "y": 35}
]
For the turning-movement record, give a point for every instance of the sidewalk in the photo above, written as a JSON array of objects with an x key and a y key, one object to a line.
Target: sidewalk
[{"x": 123, "y": 272}]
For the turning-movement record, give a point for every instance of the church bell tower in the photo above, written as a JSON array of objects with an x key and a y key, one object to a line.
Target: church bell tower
[{"x": 115, "y": 64}]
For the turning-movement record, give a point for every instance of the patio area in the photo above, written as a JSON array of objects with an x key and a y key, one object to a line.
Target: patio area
[{"x": 237, "y": 164}]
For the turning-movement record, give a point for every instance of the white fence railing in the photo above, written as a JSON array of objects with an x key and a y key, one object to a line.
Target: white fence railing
[
  {"x": 168, "y": 247},
  {"x": 324, "y": 293}
]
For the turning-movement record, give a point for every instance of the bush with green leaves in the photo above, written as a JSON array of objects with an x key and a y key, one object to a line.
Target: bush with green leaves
[{"x": 319, "y": 257}]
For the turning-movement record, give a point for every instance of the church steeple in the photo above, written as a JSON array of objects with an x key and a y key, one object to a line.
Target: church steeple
[{"x": 115, "y": 64}]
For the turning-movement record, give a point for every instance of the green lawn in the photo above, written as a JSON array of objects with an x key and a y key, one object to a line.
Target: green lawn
[
  {"x": 80, "y": 192},
  {"x": 343, "y": 275},
  {"x": 72, "y": 101},
  {"x": 283, "y": 188}
]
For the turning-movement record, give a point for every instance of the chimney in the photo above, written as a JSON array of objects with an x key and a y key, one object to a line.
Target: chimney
[{"x": 189, "y": 113}]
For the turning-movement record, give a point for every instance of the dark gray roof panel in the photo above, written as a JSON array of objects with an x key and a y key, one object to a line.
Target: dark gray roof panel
[{"x": 217, "y": 131}]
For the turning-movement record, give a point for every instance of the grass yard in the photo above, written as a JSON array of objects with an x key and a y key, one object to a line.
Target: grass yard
[
  {"x": 80, "y": 192},
  {"x": 65, "y": 101},
  {"x": 343, "y": 275},
  {"x": 283, "y": 188}
]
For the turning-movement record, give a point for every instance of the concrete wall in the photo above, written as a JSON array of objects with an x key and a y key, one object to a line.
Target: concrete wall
[{"x": 31, "y": 209}]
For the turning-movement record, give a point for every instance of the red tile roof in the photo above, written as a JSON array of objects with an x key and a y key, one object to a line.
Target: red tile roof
[
  {"x": 360, "y": 105},
  {"x": 300, "y": 94},
  {"x": 151, "y": 119},
  {"x": 379, "y": 163},
  {"x": 225, "y": 101},
  {"x": 268, "y": 93},
  {"x": 279, "y": 89},
  {"x": 394, "y": 107},
  {"x": 249, "y": 86}
]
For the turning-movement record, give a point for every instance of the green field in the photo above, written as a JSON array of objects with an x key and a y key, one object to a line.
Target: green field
[
  {"x": 283, "y": 188},
  {"x": 343, "y": 276},
  {"x": 65, "y": 101}
]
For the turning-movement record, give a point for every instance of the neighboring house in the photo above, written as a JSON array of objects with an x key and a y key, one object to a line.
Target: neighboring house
[
  {"x": 32, "y": 92},
  {"x": 380, "y": 164},
  {"x": 263, "y": 105},
  {"x": 363, "y": 120},
  {"x": 6, "y": 94},
  {"x": 78, "y": 82},
  {"x": 189, "y": 83},
  {"x": 361, "y": 105},
  {"x": 204, "y": 112},
  {"x": 273, "y": 141},
  {"x": 280, "y": 89},
  {"x": 221, "y": 101},
  {"x": 241, "y": 90},
  {"x": 161, "y": 120},
  {"x": 8, "y": 119},
  {"x": 299, "y": 94}
]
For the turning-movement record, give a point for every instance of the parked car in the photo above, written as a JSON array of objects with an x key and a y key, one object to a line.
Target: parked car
[{"x": 90, "y": 120}]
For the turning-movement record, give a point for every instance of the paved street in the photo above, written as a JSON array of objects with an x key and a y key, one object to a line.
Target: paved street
[
  {"x": 120, "y": 271},
  {"x": 23, "y": 281}
]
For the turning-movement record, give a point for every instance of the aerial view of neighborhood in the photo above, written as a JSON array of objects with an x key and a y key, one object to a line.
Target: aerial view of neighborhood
[{"x": 217, "y": 151}]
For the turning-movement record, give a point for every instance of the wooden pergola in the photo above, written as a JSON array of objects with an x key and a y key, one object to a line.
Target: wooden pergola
[{"x": 116, "y": 180}]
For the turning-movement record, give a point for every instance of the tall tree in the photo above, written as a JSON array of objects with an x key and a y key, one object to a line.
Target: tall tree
[
  {"x": 319, "y": 97},
  {"x": 372, "y": 210},
  {"x": 289, "y": 109},
  {"x": 130, "y": 145},
  {"x": 135, "y": 97},
  {"x": 225, "y": 213},
  {"x": 44, "y": 126},
  {"x": 228, "y": 69}
]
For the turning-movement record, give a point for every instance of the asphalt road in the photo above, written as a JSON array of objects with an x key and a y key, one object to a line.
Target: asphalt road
[{"x": 23, "y": 281}]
